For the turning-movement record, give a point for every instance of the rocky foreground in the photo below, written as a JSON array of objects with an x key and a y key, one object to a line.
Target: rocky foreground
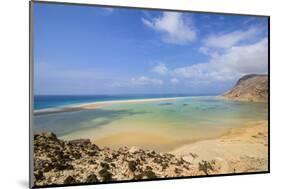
[
  {"x": 59, "y": 162},
  {"x": 253, "y": 87}
]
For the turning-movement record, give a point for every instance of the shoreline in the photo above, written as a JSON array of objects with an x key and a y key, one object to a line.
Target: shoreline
[
  {"x": 149, "y": 140},
  {"x": 95, "y": 105},
  {"x": 142, "y": 139},
  {"x": 242, "y": 99}
]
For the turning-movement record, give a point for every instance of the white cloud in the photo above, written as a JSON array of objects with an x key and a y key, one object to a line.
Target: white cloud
[
  {"x": 174, "y": 81},
  {"x": 228, "y": 40},
  {"x": 160, "y": 69},
  {"x": 235, "y": 62},
  {"x": 204, "y": 50},
  {"x": 175, "y": 27},
  {"x": 246, "y": 59},
  {"x": 143, "y": 80}
]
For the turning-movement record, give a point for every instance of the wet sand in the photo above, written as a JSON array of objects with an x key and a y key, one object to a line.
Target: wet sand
[{"x": 144, "y": 140}]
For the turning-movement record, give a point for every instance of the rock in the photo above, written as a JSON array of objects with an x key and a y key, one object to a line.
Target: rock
[
  {"x": 132, "y": 165},
  {"x": 115, "y": 155},
  {"x": 151, "y": 153},
  {"x": 92, "y": 153},
  {"x": 91, "y": 161},
  {"x": 43, "y": 165},
  {"x": 63, "y": 166},
  {"x": 106, "y": 175},
  {"x": 148, "y": 174},
  {"x": 92, "y": 178},
  {"x": 205, "y": 166},
  {"x": 157, "y": 160},
  {"x": 104, "y": 165},
  {"x": 69, "y": 180},
  {"x": 148, "y": 168},
  {"x": 76, "y": 155},
  {"x": 113, "y": 165},
  {"x": 107, "y": 159},
  {"x": 57, "y": 161},
  {"x": 81, "y": 142},
  {"x": 165, "y": 166},
  {"x": 50, "y": 135},
  {"x": 133, "y": 149},
  {"x": 38, "y": 175},
  {"x": 178, "y": 171}
]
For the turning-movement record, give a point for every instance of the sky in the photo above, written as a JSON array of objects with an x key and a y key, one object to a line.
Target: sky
[{"x": 97, "y": 50}]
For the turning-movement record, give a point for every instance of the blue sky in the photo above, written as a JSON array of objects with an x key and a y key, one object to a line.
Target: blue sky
[{"x": 95, "y": 50}]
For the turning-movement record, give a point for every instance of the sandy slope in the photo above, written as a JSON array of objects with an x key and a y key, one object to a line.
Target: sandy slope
[{"x": 243, "y": 149}]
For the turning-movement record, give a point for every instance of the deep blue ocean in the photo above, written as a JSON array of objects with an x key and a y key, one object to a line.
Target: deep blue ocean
[{"x": 54, "y": 101}]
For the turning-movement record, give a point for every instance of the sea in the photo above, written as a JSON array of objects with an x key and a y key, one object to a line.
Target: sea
[{"x": 159, "y": 125}]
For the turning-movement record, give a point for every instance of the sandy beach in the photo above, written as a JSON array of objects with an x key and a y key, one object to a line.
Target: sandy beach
[{"x": 243, "y": 149}]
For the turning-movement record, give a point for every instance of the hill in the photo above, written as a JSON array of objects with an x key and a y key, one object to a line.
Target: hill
[{"x": 253, "y": 87}]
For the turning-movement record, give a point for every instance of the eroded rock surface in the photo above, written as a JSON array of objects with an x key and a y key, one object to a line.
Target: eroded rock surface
[{"x": 80, "y": 161}]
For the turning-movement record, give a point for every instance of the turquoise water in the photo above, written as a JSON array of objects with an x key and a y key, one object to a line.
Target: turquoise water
[
  {"x": 55, "y": 101},
  {"x": 180, "y": 120}
]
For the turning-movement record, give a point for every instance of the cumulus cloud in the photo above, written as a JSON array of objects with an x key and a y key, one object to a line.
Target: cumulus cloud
[
  {"x": 228, "y": 40},
  {"x": 246, "y": 59},
  {"x": 235, "y": 62},
  {"x": 175, "y": 27},
  {"x": 160, "y": 69},
  {"x": 143, "y": 80}
]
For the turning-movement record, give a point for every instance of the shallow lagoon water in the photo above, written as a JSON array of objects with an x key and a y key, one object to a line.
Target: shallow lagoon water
[{"x": 174, "y": 122}]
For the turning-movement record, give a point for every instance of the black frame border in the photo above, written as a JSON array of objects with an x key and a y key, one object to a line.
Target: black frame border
[{"x": 31, "y": 63}]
